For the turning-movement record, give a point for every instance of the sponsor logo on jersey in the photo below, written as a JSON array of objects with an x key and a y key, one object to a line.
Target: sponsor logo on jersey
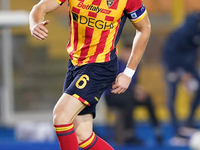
[
  {"x": 110, "y": 2},
  {"x": 93, "y": 8},
  {"x": 92, "y": 22}
]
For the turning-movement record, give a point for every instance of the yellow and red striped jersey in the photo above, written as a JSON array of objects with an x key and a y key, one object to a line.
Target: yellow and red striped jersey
[{"x": 96, "y": 25}]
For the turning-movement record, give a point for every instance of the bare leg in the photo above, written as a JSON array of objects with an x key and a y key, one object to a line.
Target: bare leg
[
  {"x": 66, "y": 109},
  {"x": 83, "y": 125},
  {"x": 64, "y": 113}
]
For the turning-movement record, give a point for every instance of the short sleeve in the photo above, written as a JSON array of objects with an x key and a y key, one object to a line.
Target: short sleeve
[
  {"x": 60, "y": 1},
  {"x": 133, "y": 5},
  {"x": 135, "y": 10},
  {"x": 137, "y": 15}
]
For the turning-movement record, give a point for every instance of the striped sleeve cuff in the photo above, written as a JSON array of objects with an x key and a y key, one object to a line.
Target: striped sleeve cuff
[{"x": 60, "y": 1}]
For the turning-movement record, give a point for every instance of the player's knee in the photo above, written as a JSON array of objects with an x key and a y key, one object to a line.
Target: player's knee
[
  {"x": 56, "y": 117},
  {"x": 59, "y": 117}
]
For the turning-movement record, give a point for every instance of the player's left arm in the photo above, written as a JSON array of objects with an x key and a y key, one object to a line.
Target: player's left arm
[{"x": 143, "y": 30}]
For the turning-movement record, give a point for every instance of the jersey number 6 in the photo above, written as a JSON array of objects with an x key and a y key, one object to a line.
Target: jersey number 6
[{"x": 82, "y": 81}]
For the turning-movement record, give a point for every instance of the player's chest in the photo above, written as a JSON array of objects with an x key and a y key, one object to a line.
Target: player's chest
[{"x": 98, "y": 8}]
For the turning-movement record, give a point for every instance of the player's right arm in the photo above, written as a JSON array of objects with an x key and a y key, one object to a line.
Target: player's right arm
[{"x": 36, "y": 18}]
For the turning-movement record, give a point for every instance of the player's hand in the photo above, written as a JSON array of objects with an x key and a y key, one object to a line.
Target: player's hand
[
  {"x": 39, "y": 31},
  {"x": 121, "y": 83}
]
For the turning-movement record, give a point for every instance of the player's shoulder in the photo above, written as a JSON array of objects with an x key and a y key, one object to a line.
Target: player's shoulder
[{"x": 133, "y": 4}]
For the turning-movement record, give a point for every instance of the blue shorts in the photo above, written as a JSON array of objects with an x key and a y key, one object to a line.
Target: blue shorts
[{"x": 88, "y": 82}]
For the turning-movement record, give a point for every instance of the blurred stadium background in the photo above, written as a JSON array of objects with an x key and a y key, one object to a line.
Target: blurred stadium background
[{"x": 32, "y": 74}]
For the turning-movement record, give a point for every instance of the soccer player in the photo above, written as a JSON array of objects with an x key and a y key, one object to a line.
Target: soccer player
[{"x": 95, "y": 28}]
